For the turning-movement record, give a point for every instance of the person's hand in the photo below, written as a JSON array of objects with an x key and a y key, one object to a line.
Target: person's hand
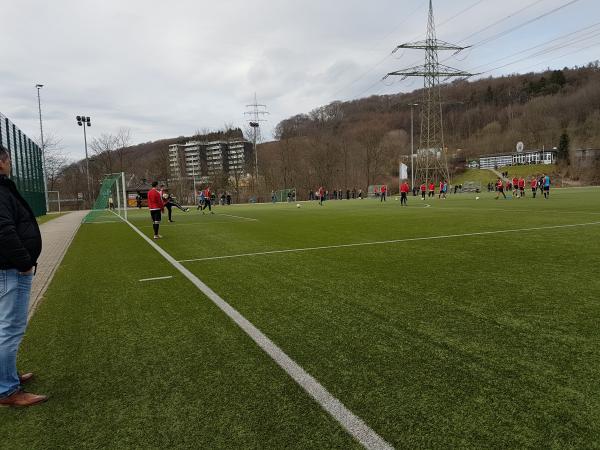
[{"x": 27, "y": 272}]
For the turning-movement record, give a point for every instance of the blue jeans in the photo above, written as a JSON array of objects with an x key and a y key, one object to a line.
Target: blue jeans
[{"x": 15, "y": 289}]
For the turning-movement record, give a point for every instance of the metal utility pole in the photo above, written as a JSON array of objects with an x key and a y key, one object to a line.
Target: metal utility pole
[
  {"x": 412, "y": 145},
  {"x": 431, "y": 161},
  {"x": 45, "y": 175},
  {"x": 255, "y": 114},
  {"x": 86, "y": 122}
]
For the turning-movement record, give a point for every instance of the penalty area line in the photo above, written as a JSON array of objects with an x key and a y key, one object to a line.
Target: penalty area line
[
  {"x": 392, "y": 241},
  {"x": 156, "y": 278},
  {"x": 353, "y": 424}
]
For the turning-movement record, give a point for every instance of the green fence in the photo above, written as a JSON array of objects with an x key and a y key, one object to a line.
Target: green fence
[{"x": 27, "y": 172}]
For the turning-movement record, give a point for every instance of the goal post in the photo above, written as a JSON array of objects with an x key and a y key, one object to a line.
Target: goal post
[
  {"x": 286, "y": 195},
  {"x": 111, "y": 203},
  {"x": 374, "y": 190},
  {"x": 54, "y": 201}
]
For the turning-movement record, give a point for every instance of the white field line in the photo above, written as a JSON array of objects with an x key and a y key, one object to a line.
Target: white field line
[
  {"x": 354, "y": 425},
  {"x": 156, "y": 278},
  {"x": 469, "y": 208},
  {"x": 198, "y": 224},
  {"x": 239, "y": 217},
  {"x": 392, "y": 241}
]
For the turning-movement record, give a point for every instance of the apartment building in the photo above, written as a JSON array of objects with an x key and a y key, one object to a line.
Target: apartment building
[{"x": 197, "y": 159}]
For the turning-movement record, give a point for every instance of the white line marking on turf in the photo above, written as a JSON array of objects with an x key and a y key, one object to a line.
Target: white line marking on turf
[
  {"x": 239, "y": 217},
  {"x": 392, "y": 241},
  {"x": 347, "y": 419},
  {"x": 156, "y": 278}
]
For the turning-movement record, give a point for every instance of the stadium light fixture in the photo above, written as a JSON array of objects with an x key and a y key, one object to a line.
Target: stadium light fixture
[{"x": 84, "y": 121}]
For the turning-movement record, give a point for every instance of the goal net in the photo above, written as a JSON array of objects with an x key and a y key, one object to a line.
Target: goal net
[
  {"x": 374, "y": 190},
  {"x": 110, "y": 205},
  {"x": 285, "y": 195}
]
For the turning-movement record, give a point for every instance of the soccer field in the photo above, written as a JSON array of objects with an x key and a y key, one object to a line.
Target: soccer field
[{"x": 455, "y": 323}]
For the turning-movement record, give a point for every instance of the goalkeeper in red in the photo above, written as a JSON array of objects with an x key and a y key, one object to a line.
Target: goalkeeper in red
[{"x": 156, "y": 207}]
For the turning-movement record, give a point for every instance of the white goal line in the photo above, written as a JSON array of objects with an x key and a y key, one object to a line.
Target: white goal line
[{"x": 392, "y": 241}]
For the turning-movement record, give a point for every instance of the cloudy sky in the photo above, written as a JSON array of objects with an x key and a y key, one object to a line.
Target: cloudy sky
[{"x": 165, "y": 69}]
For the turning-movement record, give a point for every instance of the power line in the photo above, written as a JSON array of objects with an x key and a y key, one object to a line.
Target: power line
[
  {"x": 380, "y": 62},
  {"x": 501, "y": 20},
  {"x": 536, "y": 46},
  {"x": 527, "y": 22}
]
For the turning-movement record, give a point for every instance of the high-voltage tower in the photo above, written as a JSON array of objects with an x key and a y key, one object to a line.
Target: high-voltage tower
[
  {"x": 430, "y": 163},
  {"x": 255, "y": 115}
]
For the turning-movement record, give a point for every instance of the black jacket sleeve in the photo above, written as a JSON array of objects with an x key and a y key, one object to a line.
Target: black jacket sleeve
[{"x": 11, "y": 247}]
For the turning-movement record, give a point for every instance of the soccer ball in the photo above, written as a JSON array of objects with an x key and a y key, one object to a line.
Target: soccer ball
[
  {"x": 297, "y": 205},
  {"x": 476, "y": 198}
]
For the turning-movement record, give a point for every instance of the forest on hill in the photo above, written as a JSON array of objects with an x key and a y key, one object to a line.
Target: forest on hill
[
  {"x": 360, "y": 142},
  {"x": 353, "y": 144}
]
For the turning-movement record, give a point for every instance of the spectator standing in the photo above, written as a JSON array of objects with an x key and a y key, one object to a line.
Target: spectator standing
[{"x": 20, "y": 247}]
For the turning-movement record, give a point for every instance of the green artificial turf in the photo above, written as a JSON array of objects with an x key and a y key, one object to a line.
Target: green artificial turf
[
  {"x": 463, "y": 341},
  {"x": 150, "y": 365}
]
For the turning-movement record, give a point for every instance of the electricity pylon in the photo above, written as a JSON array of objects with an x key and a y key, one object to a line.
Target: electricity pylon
[
  {"x": 431, "y": 163},
  {"x": 255, "y": 116}
]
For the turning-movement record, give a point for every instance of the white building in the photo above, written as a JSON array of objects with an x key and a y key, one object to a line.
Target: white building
[{"x": 518, "y": 158}]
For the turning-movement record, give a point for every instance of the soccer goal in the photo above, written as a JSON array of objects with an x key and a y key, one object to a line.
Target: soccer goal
[
  {"x": 54, "y": 201},
  {"x": 111, "y": 203},
  {"x": 286, "y": 195},
  {"x": 374, "y": 190}
]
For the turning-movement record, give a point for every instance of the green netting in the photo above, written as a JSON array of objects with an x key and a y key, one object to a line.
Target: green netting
[
  {"x": 26, "y": 170},
  {"x": 109, "y": 206}
]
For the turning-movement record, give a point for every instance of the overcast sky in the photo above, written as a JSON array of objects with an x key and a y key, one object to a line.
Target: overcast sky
[{"x": 167, "y": 68}]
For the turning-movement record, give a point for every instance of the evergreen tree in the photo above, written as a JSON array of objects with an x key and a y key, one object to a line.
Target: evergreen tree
[{"x": 563, "y": 148}]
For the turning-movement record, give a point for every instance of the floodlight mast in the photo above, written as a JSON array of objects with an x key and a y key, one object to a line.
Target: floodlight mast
[
  {"x": 431, "y": 161},
  {"x": 86, "y": 122}
]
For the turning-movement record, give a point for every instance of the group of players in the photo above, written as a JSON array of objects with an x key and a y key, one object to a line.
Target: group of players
[
  {"x": 517, "y": 186},
  {"x": 159, "y": 199}
]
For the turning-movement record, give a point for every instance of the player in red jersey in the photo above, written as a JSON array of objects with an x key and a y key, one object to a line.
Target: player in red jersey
[
  {"x": 321, "y": 192},
  {"x": 156, "y": 207},
  {"x": 500, "y": 189},
  {"x": 404, "y": 190},
  {"x": 522, "y": 187},
  {"x": 534, "y": 184},
  {"x": 423, "y": 189},
  {"x": 431, "y": 189}
]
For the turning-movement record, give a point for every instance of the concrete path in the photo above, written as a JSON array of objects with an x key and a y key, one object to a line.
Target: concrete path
[
  {"x": 57, "y": 235},
  {"x": 498, "y": 174}
]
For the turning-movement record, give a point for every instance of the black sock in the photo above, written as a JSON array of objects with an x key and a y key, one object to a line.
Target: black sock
[{"x": 155, "y": 226}]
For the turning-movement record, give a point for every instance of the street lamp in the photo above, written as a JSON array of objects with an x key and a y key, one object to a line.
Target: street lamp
[
  {"x": 85, "y": 121},
  {"x": 38, "y": 87},
  {"x": 412, "y": 144}
]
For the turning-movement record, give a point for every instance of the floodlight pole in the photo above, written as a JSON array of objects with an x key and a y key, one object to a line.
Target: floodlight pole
[
  {"x": 44, "y": 174},
  {"x": 86, "y": 122}
]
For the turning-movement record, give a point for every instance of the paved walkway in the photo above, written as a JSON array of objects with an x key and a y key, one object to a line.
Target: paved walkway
[{"x": 57, "y": 235}]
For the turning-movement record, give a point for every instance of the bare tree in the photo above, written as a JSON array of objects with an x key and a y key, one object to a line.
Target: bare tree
[
  {"x": 103, "y": 147},
  {"x": 122, "y": 141},
  {"x": 56, "y": 160}
]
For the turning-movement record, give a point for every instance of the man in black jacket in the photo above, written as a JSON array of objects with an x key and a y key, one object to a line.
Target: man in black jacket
[{"x": 20, "y": 247}]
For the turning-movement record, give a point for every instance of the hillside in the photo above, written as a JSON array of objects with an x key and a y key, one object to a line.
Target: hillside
[{"x": 356, "y": 143}]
